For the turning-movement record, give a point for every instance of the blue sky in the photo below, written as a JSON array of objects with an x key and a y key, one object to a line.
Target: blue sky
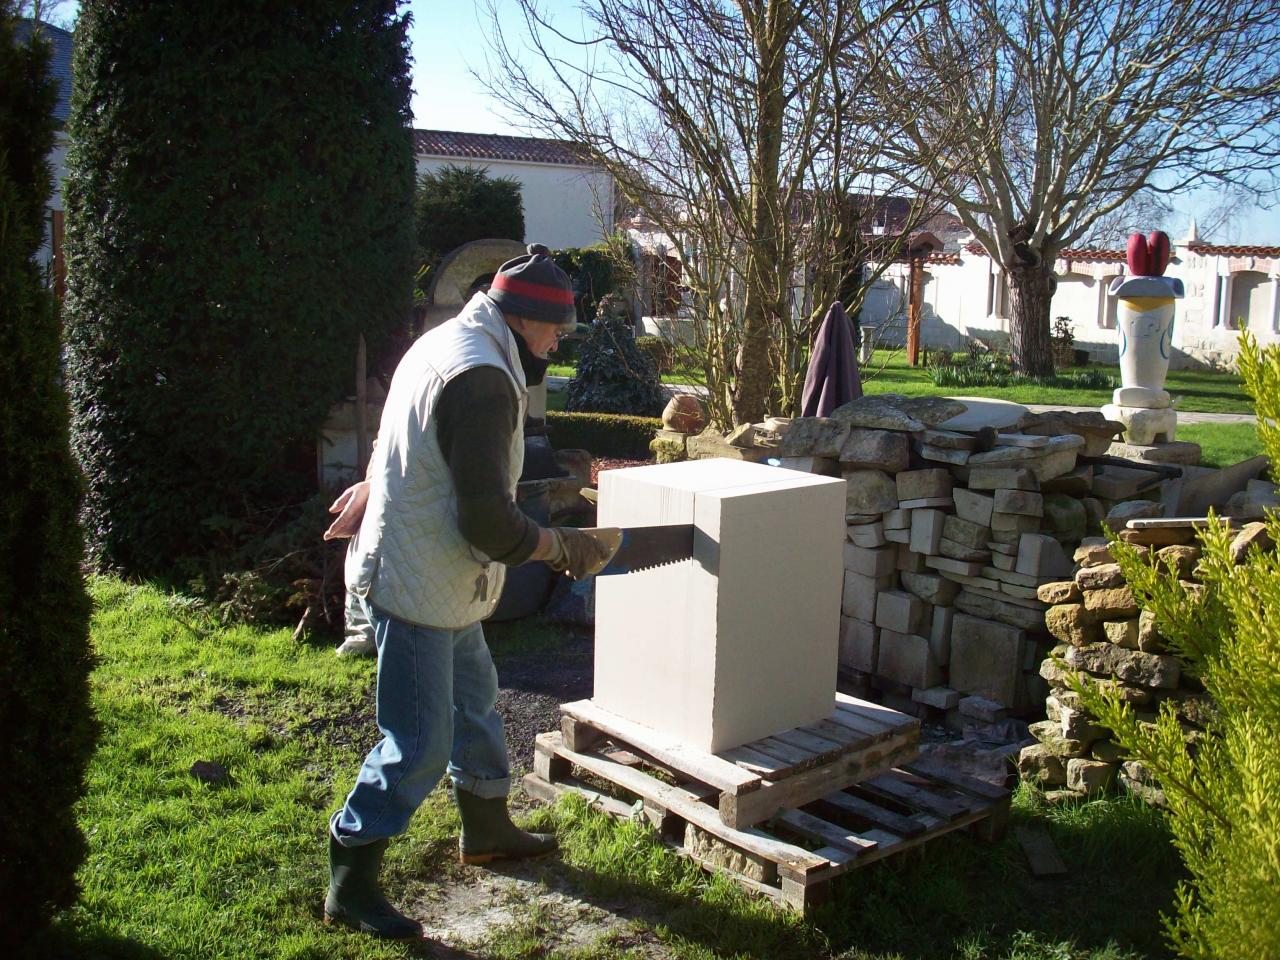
[{"x": 448, "y": 41}]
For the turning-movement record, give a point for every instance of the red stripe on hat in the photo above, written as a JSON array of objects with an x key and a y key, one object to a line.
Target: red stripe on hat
[{"x": 534, "y": 291}]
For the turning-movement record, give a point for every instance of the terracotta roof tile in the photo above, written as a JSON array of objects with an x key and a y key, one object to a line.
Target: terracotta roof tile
[
  {"x": 1213, "y": 249},
  {"x": 1091, "y": 253},
  {"x": 492, "y": 146}
]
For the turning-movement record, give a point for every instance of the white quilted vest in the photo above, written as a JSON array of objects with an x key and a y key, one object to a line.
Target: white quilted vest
[{"x": 409, "y": 557}]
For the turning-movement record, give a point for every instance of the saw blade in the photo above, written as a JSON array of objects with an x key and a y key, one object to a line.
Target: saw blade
[{"x": 644, "y": 548}]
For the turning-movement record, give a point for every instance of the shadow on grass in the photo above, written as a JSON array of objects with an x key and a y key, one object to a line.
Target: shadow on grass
[
  {"x": 89, "y": 943},
  {"x": 954, "y": 897}
]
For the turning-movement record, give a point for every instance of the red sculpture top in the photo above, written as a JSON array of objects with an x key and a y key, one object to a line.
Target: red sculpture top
[{"x": 1148, "y": 256}]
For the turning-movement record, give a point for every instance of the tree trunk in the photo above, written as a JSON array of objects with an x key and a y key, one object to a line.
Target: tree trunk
[{"x": 1031, "y": 291}]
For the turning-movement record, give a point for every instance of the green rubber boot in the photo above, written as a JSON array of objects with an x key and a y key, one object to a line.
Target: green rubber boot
[
  {"x": 488, "y": 833},
  {"x": 354, "y": 898}
]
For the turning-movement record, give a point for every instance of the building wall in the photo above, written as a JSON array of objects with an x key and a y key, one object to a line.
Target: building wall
[
  {"x": 969, "y": 299},
  {"x": 564, "y": 206}
]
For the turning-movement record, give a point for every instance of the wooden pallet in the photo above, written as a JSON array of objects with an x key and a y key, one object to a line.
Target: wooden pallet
[
  {"x": 753, "y": 782},
  {"x": 795, "y": 855}
]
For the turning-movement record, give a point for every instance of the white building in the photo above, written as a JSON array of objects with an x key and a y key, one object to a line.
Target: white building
[
  {"x": 568, "y": 202},
  {"x": 966, "y": 295}
]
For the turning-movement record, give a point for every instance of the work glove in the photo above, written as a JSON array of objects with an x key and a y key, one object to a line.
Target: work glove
[{"x": 581, "y": 553}]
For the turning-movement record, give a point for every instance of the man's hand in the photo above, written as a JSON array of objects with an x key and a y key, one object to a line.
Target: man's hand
[
  {"x": 580, "y": 553},
  {"x": 350, "y": 510}
]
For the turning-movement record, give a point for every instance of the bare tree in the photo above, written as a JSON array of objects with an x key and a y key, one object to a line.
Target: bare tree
[
  {"x": 1072, "y": 108},
  {"x": 738, "y": 129}
]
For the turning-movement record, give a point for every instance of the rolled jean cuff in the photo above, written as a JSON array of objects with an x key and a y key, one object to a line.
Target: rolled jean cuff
[{"x": 485, "y": 789}]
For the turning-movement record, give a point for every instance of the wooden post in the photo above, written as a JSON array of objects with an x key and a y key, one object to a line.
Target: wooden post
[
  {"x": 362, "y": 410},
  {"x": 913, "y": 310}
]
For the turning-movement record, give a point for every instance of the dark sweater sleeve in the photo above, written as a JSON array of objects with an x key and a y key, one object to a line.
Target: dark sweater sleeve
[{"x": 476, "y": 416}]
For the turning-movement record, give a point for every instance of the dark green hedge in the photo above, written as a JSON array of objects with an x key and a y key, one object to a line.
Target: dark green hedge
[
  {"x": 456, "y": 205},
  {"x": 47, "y": 730},
  {"x": 603, "y": 434},
  {"x": 239, "y": 211}
]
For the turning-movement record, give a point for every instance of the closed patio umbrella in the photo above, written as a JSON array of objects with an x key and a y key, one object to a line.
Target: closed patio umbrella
[{"x": 833, "y": 378}]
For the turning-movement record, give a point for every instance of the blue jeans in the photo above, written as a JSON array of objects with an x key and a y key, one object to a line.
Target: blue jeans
[{"x": 435, "y": 701}]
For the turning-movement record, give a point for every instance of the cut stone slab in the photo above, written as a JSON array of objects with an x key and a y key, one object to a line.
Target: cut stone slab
[
  {"x": 1116, "y": 603},
  {"x": 1093, "y": 551},
  {"x": 1051, "y": 738},
  {"x": 949, "y": 440},
  {"x": 902, "y": 537},
  {"x": 940, "y": 633},
  {"x": 1061, "y": 591},
  {"x": 907, "y": 659},
  {"x": 926, "y": 503},
  {"x": 931, "y": 411},
  {"x": 988, "y": 606},
  {"x": 955, "y": 550},
  {"x": 926, "y": 530},
  {"x": 897, "y": 519},
  {"x": 1013, "y": 523},
  {"x": 1120, "y": 515},
  {"x": 1177, "y": 452},
  {"x": 814, "y": 437},
  {"x": 760, "y": 531},
  {"x": 1001, "y": 478},
  {"x": 866, "y": 535},
  {"x": 909, "y": 561},
  {"x": 1032, "y": 440},
  {"x": 1008, "y": 549},
  {"x": 1038, "y": 765},
  {"x": 1074, "y": 483},
  {"x": 973, "y": 507},
  {"x": 1180, "y": 559},
  {"x": 943, "y": 698},
  {"x": 965, "y": 532},
  {"x": 1023, "y": 502},
  {"x": 870, "y": 491},
  {"x": 877, "y": 412},
  {"x": 944, "y": 455},
  {"x": 860, "y": 594},
  {"x": 859, "y": 643},
  {"x": 1132, "y": 666},
  {"x": 983, "y": 412},
  {"x": 982, "y": 709},
  {"x": 923, "y": 484},
  {"x": 1072, "y": 623},
  {"x": 986, "y": 659},
  {"x": 899, "y": 611},
  {"x": 1065, "y": 517},
  {"x": 1101, "y": 577},
  {"x": 886, "y": 450},
  {"x": 1123, "y": 633},
  {"x": 945, "y": 565},
  {"x": 1003, "y": 561},
  {"x": 1254, "y": 536},
  {"x": 869, "y": 561},
  {"x": 1089, "y": 777},
  {"x": 1040, "y": 555},
  {"x": 930, "y": 588}
]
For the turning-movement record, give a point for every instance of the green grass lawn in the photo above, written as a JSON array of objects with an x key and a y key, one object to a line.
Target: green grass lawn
[
  {"x": 889, "y": 372},
  {"x": 1222, "y": 444},
  {"x": 178, "y": 869}
]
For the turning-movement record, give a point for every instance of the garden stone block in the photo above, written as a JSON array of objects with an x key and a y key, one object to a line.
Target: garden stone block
[
  {"x": 897, "y": 519},
  {"x": 1104, "y": 576},
  {"x": 1037, "y": 765},
  {"x": 965, "y": 532},
  {"x": 884, "y": 450},
  {"x": 1253, "y": 535},
  {"x": 815, "y": 437},
  {"x": 945, "y": 565},
  {"x": 861, "y": 593},
  {"x": 902, "y": 537},
  {"x": 1132, "y": 666},
  {"x": 1050, "y": 736},
  {"x": 906, "y": 658},
  {"x": 930, "y": 588},
  {"x": 943, "y": 455},
  {"x": 1123, "y": 633},
  {"x": 1060, "y": 591},
  {"x": 950, "y": 440},
  {"x": 926, "y": 530},
  {"x": 973, "y": 507},
  {"x": 1093, "y": 551},
  {"x": 1089, "y": 777},
  {"x": 866, "y": 535},
  {"x": 1008, "y": 610},
  {"x": 1072, "y": 623},
  {"x": 1040, "y": 555},
  {"x": 1065, "y": 517},
  {"x": 859, "y": 643},
  {"x": 909, "y": 561},
  {"x": 822, "y": 466},
  {"x": 877, "y": 412},
  {"x": 940, "y": 633},
  {"x": 1019, "y": 501},
  {"x": 869, "y": 561},
  {"x": 983, "y": 710},
  {"x": 999, "y": 478},
  {"x": 943, "y": 698},
  {"x": 1116, "y": 603},
  {"x": 899, "y": 611},
  {"x": 1179, "y": 559},
  {"x": 924, "y": 484},
  {"x": 986, "y": 658},
  {"x": 1149, "y": 638},
  {"x": 870, "y": 491},
  {"x": 958, "y": 551}
]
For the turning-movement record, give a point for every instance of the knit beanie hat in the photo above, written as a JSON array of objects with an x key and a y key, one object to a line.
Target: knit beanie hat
[{"x": 533, "y": 286}]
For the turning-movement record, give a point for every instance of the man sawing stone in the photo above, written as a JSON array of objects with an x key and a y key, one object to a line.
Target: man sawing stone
[{"x": 435, "y": 525}]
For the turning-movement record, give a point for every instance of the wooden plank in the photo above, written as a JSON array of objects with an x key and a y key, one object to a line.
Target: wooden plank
[
  {"x": 540, "y": 789},
  {"x": 755, "y": 761},
  {"x": 684, "y": 804},
  {"x": 815, "y": 828},
  {"x": 874, "y": 814},
  {"x": 808, "y": 785},
  {"x": 798, "y": 737},
  {"x": 795, "y": 757},
  {"x": 870, "y": 730},
  {"x": 1042, "y": 855},
  {"x": 874, "y": 711},
  {"x": 846, "y": 736},
  {"x": 916, "y": 797},
  {"x": 961, "y": 781},
  {"x": 721, "y": 774}
]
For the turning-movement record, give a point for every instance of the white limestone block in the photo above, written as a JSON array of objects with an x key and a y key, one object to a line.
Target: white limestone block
[{"x": 741, "y": 641}]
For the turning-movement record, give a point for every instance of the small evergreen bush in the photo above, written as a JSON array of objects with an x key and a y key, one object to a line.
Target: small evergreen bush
[
  {"x": 1222, "y": 793},
  {"x": 657, "y": 350},
  {"x": 614, "y": 375},
  {"x": 238, "y": 214},
  {"x": 456, "y": 205},
  {"x": 47, "y": 730}
]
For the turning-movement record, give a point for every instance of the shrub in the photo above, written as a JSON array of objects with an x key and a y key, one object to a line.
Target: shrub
[
  {"x": 596, "y": 272},
  {"x": 603, "y": 434},
  {"x": 657, "y": 350},
  {"x": 1221, "y": 794},
  {"x": 237, "y": 208},
  {"x": 47, "y": 724},
  {"x": 614, "y": 375},
  {"x": 456, "y": 205}
]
